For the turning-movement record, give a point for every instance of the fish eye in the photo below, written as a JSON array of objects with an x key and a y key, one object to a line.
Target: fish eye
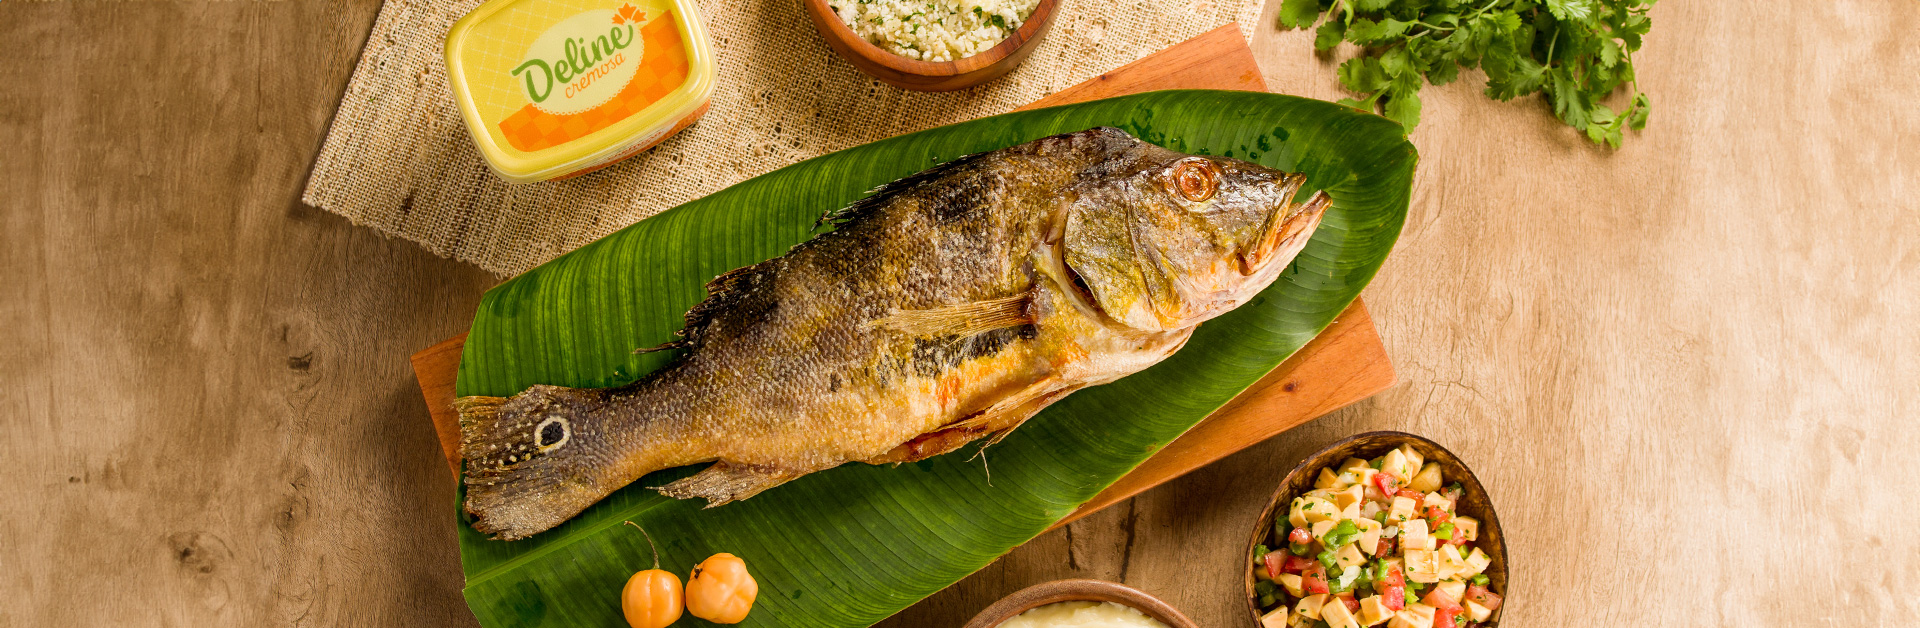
[{"x": 1195, "y": 178}]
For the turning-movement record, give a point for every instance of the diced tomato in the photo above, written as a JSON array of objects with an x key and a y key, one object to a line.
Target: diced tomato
[
  {"x": 1393, "y": 589},
  {"x": 1273, "y": 562},
  {"x": 1458, "y": 539},
  {"x": 1299, "y": 535},
  {"x": 1452, "y": 495},
  {"x": 1436, "y": 599},
  {"x": 1314, "y": 579},
  {"x": 1416, "y": 496},
  {"x": 1444, "y": 619},
  {"x": 1297, "y": 564},
  {"x": 1435, "y": 517},
  {"x": 1385, "y": 548},
  {"x": 1394, "y": 578},
  {"x": 1386, "y": 483},
  {"x": 1347, "y": 599},
  {"x": 1480, "y": 595},
  {"x": 1394, "y": 596}
]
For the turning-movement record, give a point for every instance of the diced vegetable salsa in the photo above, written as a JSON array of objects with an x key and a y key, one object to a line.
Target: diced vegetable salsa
[{"x": 1375, "y": 542}]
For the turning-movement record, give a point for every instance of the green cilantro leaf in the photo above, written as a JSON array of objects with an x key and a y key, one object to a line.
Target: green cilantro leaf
[{"x": 1577, "y": 54}]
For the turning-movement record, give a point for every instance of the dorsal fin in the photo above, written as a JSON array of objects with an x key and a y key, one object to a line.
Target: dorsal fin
[
  {"x": 878, "y": 198},
  {"x": 731, "y": 289}
]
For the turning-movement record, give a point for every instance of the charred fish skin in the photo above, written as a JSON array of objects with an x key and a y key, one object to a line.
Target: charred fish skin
[{"x": 945, "y": 307}]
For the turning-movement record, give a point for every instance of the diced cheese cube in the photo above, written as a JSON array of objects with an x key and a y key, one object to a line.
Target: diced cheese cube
[
  {"x": 1414, "y": 535},
  {"x": 1421, "y": 610},
  {"x": 1318, "y": 509},
  {"x": 1352, "y": 511},
  {"x": 1365, "y": 475},
  {"x": 1349, "y": 556},
  {"x": 1453, "y": 589},
  {"x": 1406, "y": 618},
  {"x": 1321, "y": 528},
  {"x": 1396, "y": 464},
  {"x": 1296, "y": 620},
  {"x": 1325, "y": 479},
  {"x": 1344, "y": 480},
  {"x": 1466, "y": 528},
  {"x": 1373, "y": 610},
  {"x": 1354, "y": 463},
  {"x": 1291, "y": 582},
  {"x": 1475, "y": 563},
  {"x": 1350, "y": 496},
  {"x": 1295, "y": 515},
  {"x": 1437, "y": 500},
  {"x": 1401, "y": 510},
  {"x": 1336, "y": 614},
  {"x": 1477, "y": 612},
  {"x": 1369, "y": 540},
  {"x": 1414, "y": 459},
  {"x": 1309, "y": 606},
  {"x": 1275, "y": 619},
  {"x": 1452, "y": 563},
  {"x": 1428, "y": 479},
  {"x": 1422, "y": 565}
]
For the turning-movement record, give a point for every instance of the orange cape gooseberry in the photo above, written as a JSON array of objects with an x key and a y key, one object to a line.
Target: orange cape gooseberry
[
  {"x": 652, "y": 598},
  {"x": 720, "y": 589}
]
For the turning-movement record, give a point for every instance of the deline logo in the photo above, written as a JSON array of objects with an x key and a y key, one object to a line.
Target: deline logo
[{"x": 582, "y": 61}]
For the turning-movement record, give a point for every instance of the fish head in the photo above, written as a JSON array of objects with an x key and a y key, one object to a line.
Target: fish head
[{"x": 1171, "y": 240}]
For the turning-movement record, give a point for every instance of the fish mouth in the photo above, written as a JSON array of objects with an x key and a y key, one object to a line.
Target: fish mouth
[{"x": 1282, "y": 226}]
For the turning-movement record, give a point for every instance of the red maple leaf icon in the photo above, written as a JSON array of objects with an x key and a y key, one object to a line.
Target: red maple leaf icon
[{"x": 628, "y": 14}]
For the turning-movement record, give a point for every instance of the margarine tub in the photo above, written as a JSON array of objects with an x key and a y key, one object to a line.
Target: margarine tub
[{"x": 557, "y": 88}]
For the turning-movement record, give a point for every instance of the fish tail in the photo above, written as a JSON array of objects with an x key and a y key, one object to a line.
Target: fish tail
[{"x": 529, "y": 461}]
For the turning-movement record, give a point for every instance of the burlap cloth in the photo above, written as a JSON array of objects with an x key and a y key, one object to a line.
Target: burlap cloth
[{"x": 397, "y": 158}]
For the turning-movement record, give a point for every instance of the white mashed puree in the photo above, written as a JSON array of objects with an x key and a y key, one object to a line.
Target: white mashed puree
[{"x": 1082, "y": 615}]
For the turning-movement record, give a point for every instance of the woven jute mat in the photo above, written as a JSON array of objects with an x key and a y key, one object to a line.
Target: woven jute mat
[{"x": 397, "y": 158}]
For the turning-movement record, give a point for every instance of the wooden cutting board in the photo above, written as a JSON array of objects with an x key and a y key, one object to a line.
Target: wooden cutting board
[{"x": 1344, "y": 364}]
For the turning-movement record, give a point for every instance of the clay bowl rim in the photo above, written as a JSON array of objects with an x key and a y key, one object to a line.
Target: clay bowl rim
[
  {"x": 1386, "y": 440},
  {"x": 1078, "y": 590},
  {"x": 846, "y": 43}
]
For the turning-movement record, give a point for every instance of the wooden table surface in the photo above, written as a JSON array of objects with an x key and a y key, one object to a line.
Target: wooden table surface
[{"x": 1687, "y": 369}]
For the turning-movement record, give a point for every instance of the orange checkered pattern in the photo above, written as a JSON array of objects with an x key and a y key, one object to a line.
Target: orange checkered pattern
[{"x": 662, "y": 70}]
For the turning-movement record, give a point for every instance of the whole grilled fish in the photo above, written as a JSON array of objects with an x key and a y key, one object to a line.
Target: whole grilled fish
[{"x": 947, "y": 306}]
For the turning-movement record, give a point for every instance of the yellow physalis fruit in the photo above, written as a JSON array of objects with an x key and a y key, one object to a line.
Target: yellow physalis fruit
[
  {"x": 720, "y": 589},
  {"x": 652, "y": 598}
]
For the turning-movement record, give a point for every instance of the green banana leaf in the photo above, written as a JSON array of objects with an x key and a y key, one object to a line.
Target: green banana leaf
[{"x": 853, "y": 545}]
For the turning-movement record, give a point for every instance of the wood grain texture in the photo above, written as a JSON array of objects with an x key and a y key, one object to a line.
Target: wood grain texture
[
  {"x": 1685, "y": 370},
  {"x": 1344, "y": 364}
]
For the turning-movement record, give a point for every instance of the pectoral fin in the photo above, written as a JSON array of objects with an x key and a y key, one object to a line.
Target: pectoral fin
[{"x": 965, "y": 319}]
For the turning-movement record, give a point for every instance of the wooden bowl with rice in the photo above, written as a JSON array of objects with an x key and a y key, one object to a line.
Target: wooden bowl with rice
[{"x": 929, "y": 75}]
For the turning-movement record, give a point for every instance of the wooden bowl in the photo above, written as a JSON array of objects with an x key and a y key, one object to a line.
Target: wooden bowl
[
  {"x": 1474, "y": 502},
  {"x": 930, "y": 76},
  {"x": 1078, "y": 590}
]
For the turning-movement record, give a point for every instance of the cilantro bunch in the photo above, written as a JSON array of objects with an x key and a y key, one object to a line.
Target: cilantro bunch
[{"x": 1575, "y": 52}]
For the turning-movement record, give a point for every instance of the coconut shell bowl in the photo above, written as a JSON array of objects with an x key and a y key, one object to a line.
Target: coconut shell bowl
[{"x": 1473, "y": 502}]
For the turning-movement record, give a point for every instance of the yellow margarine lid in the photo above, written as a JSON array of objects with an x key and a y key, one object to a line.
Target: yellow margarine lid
[{"x": 551, "y": 88}]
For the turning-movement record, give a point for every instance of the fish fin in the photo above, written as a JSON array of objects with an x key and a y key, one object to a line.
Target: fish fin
[
  {"x": 734, "y": 289},
  {"x": 965, "y": 319},
  {"x": 872, "y": 203},
  {"x": 728, "y": 482},
  {"x": 519, "y": 458},
  {"x": 995, "y": 421}
]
